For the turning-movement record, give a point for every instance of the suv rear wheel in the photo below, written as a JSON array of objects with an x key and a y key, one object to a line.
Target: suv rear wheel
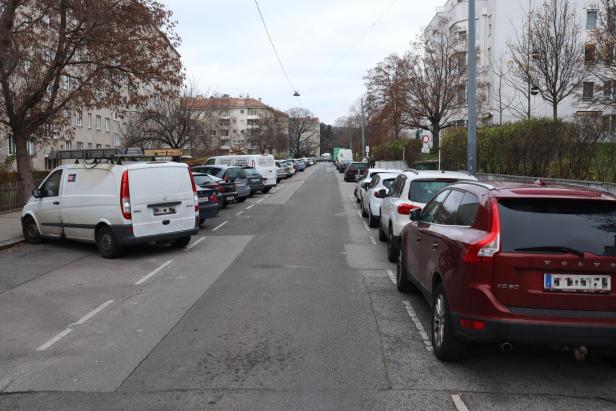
[
  {"x": 403, "y": 284},
  {"x": 392, "y": 247},
  {"x": 445, "y": 344},
  {"x": 382, "y": 235},
  {"x": 106, "y": 242},
  {"x": 30, "y": 230},
  {"x": 373, "y": 220}
]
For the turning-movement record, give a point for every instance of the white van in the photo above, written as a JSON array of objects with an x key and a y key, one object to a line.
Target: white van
[
  {"x": 114, "y": 205},
  {"x": 263, "y": 163},
  {"x": 344, "y": 154}
]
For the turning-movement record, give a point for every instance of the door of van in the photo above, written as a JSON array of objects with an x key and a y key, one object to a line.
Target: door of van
[{"x": 48, "y": 206}]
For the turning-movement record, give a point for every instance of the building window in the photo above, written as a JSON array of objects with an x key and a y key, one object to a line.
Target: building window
[
  {"x": 224, "y": 122},
  {"x": 591, "y": 19},
  {"x": 79, "y": 145},
  {"x": 225, "y": 132},
  {"x": 212, "y": 132},
  {"x": 124, "y": 127},
  {"x": 89, "y": 146},
  {"x": 114, "y": 114},
  {"x": 107, "y": 124},
  {"x": 252, "y": 112},
  {"x": 89, "y": 120},
  {"x": 99, "y": 146},
  {"x": 66, "y": 82},
  {"x": 589, "y": 53},
  {"x": 116, "y": 140},
  {"x": 588, "y": 90},
  {"x": 107, "y": 146},
  {"x": 10, "y": 146},
  {"x": 69, "y": 145},
  {"x": 79, "y": 119},
  {"x": 242, "y": 131},
  {"x": 99, "y": 122},
  {"x": 241, "y": 111},
  {"x": 461, "y": 95},
  {"x": 609, "y": 89},
  {"x": 51, "y": 163}
]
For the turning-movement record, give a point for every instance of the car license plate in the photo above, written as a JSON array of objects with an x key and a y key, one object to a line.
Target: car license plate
[
  {"x": 203, "y": 199},
  {"x": 585, "y": 283},
  {"x": 164, "y": 210}
]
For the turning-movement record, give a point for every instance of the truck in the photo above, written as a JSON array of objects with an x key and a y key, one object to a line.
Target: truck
[{"x": 344, "y": 154}]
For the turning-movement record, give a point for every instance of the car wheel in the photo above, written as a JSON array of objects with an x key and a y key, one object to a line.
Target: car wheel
[
  {"x": 392, "y": 247},
  {"x": 201, "y": 221},
  {"x": 403, "y": 284},
  {"x": 107, "y": 244},
  {"x": 224, "y": 203},
  {"x": 382, "y": 235},
  {"x": 373, "y": 221},
  {"x": 266, "y": 190},
  {"x": 30, "y": 231},
  {"x": 446, "y": 346},
  {"x": 181, "y": 242},
  {"x": 240, "y": 199}
]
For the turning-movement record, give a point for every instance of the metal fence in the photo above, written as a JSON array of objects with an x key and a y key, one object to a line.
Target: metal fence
[
  {"x": 609, "y": 187},
  {"x": 12, "y": 195}
]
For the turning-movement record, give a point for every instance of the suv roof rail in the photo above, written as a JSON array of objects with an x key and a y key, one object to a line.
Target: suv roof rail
[
  {"x": 464, "y": 172},
  {"x": 411, "y": 170}
]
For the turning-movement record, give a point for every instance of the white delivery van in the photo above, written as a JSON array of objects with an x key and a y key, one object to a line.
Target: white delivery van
[
  {"x": 114, "y": 205},
  {"x": 344, "y": 154},
  {"x": 263, "y": 163}
]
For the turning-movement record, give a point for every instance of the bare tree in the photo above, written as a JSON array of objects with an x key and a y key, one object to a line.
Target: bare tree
[
  {"x": 59, "y": 56},
  {"x": 551, "y": 50},
  {"x": 436, "y": 79},
  {"x": 270, "y": 133},
  {"x": 521, "y": 78},
  {"x": 303, "y": 128},
  {"x": 504, "y": 102}
]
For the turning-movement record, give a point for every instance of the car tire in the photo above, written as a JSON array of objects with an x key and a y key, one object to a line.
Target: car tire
[
  {"x": 373, "y": 221},
  {"x": 382, "y": 235},
  {"x": 403, "y": 284},
  {"x": 392, "y": 247},
  {"x": 181, "y": 242},
  {"x": 201, "y": 221},
  {"x": 224, "y": 203},
  {"x": 446, "y": 346},
  {"x": 31, "y": 231},
  {"x": 107, "y": 244},
  {"x": 240, "y": 199},
  {"x": 266, "y": 190}
]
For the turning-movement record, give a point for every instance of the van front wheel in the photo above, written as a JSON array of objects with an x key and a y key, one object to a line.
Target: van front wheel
[
  {"x": 107, "y": 244},
  {"x": 31, "y": 232}
]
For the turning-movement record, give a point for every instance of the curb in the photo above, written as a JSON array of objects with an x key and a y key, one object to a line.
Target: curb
[{"x": 10, "y": 243}]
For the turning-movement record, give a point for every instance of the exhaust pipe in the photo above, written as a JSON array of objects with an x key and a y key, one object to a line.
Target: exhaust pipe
[
  {"x": 580, "y": 353},
  {"x": 505, "y": 347}
]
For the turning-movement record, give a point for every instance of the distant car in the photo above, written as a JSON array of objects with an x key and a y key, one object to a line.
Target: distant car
[
  {"x": 355, "y": 170},
  {"x": 208, "y": 197},
  {"x": 292, "y": 166},
  {"x": 255, "y": 180},
  {"x": 282, "y": 170},
  {"x": 299, "y": 164},
  {"x": 514, "y": 263},
  {"x": 227, "y": 190},
  {"x": 362, "y": 184},
  {"x": 411, "y": 189},
  {"x": 233, "y": 174},
  {"x": 375, "y": 193},
  {"x": 343, "y": 165}
]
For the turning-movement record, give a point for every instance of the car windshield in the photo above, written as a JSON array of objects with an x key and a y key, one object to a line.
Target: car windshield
[
  {"x": 422, "y": 191},
  {"x": 554, "y": 225}
]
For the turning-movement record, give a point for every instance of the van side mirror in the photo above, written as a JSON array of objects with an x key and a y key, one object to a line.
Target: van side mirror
[
  {"x": 37, "y": 193},
  {"x": 382, "y": 193},
  {"x": 415, "y": 214}
]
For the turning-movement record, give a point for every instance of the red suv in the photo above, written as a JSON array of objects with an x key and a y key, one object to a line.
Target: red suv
[{"x": 512, "y": 263}]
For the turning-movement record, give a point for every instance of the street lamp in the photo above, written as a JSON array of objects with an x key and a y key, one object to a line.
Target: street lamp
[{"x": 472, "y": 91}]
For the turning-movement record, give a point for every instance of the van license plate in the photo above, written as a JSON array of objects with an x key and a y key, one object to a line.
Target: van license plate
[
  {"x": 164, "y": 210},
  {"x": 585, "y": 283}
]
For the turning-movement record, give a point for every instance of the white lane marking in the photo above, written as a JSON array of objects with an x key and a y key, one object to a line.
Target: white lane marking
[
  {"x": 366, "y": 227},
  {"x": 153, "y": 273},
  {"x": 420, "y": 329},
  {"x": 260, "y": 201},
  {"x": 457, "y": 401},
  {"x": 359, "y": 214},
  {"x": 92, "y": 313},
  {"x": 239, "y": 213},
  {"x": 250, "y": 206},
  {"x": 55, "y": 339},
  {"x": 391, "y": 276},
  {"x": 194, "y": 244},
  {"x": 219, "y": 226},
  {"x": 373, "y": 240}
]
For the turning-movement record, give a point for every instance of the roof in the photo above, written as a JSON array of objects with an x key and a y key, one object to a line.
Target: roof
[
  {"x": 458, "y": 175},
  {"x": 540, "y": 189},
  {"x": 201, "y": 102}
]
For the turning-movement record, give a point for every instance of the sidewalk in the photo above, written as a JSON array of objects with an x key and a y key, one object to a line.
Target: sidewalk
[{"x": 10, "y": 229}]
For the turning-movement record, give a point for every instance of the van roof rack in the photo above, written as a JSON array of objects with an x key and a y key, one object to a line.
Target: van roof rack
[{"x": 110, "y": 154}]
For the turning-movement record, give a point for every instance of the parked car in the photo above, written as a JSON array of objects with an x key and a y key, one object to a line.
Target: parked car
[
  {"x": 227, "y": 190},
  {"x": 255, "y": 180},
  {"x": 299, "y": 164},
  {"x": 282, "y": 171},
  {"x": 375, "y": 193},
  {"x": 232, "y": 174},
  {"x": 292, "y": 166},
  {"x": 114, "y": 205},
  {"x": 511, "y": 263},
  {"x": 355, "y": 170},
  {"x": 263, "y": 163},
  {"x": 411, "y": 189},
  {"x": 209, "y": 205},
  {"x": 362, "y": 184},
  {"x": 343, "y": 165}
]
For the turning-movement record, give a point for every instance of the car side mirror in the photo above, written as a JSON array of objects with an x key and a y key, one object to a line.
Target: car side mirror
[
  {"x": 37, "y": 193},
  {"x": 382, "y": 193},
  {"x": 415, "y": 214}
]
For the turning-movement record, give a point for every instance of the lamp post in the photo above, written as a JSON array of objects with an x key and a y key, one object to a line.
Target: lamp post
[{"x": 472, "y": 91}]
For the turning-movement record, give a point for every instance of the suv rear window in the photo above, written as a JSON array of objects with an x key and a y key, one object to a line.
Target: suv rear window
[
  {"x": 422, "y": 191},
  {"x": 551, "y": 225},
  {"x": 234, "y": 173},
  {"x": 357, "y": 166}
]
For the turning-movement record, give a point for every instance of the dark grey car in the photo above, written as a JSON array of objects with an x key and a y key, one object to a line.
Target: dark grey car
[{"x": 233, "y": 174}]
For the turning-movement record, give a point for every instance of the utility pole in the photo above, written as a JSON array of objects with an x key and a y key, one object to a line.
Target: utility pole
[
  {"x": 472, "y": 90},
  {"x": 363, "y": 129}
]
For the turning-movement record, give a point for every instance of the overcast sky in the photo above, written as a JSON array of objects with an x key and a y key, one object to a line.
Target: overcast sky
[{"x": 226, "y": 50}]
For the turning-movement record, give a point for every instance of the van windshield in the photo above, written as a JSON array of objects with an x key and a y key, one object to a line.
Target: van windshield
[{"x": 557, "y": 225}]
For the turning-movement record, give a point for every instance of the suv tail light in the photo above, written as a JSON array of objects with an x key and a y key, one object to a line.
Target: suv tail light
[
  {"x": 125, "y": 196},
  {"x": 405, "y": 209},
  {"x": 194, "y": 187},
  {"x": 488, "y": 246},
  {"x": 214, "y": 198}
]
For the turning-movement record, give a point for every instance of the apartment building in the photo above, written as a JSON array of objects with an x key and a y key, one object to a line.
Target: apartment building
[{"x": 498, "y": 23}]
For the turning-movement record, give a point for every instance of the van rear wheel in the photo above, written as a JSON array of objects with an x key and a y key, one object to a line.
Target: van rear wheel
[
  {"x": 107, "y": 244},
  {"x": 181, "y": 242},
  {"x": 31, "y": 232}
]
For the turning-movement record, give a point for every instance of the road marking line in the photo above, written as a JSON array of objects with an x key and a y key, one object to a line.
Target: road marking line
[
  {"x": 366, "y": 227},
  {"x": 420, "y": 329},
  {"x": 92, "y": 313},
  {"x": 260, "y": 201},
  {"x": 373, "y": 240},
  {"x": 219, "y": 226},
  {"x": 457, "y": 401},
  {"x": 359, "y": 214},
  {"x": 239, "y": 213},
  {"x": 194, "y": 244},
  {"x": 250, "y": 206},
  {"x": 391, "y": 276},
  {"x": 153, "y": 273},
  {"x": 55, "y": 339}
]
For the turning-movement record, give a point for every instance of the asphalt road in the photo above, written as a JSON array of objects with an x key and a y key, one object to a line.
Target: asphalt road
[{"x": 282, "y": 302}]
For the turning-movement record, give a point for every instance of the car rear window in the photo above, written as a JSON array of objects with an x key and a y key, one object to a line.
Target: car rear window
[
  {"x": 202, "y": 180},
  {"x": 555, "y": 224},
  {"x": 236, "y": 173},
  {"x": 357, "y": 166},
  {"x": 422, "y": 191}
]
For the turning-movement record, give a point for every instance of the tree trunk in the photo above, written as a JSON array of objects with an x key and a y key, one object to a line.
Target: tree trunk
[
  {"x": 24, "y": 165},
  {"x": 436, "y": 131},
  {"x": 555, "y": 111}
]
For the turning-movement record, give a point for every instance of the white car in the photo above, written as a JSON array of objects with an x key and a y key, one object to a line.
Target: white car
[
  {"x": 375, "y": 192},
  {"x": 362, "y": 184},
  {"x": 263, "y": 163},
  {"x": 114, "y": 205},
  {"x": 411, "y": 189}
]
